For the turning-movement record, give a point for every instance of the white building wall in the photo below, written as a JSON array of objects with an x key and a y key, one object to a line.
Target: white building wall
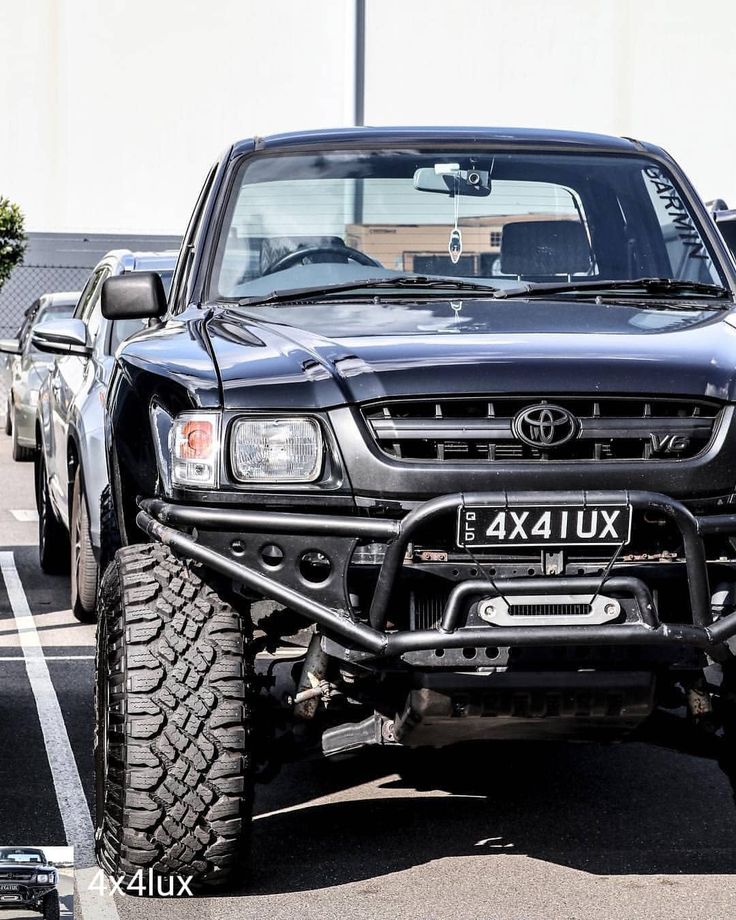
[{"x": 111, "y": 110}]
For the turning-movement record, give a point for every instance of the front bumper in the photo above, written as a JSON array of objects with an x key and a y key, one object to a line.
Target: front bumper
[
  {"x": 27, "y": 896},
  {"x": 194, "y": 527}
]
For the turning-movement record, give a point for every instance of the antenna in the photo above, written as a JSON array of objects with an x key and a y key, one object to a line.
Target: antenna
[{"x": 359, "y": 78}]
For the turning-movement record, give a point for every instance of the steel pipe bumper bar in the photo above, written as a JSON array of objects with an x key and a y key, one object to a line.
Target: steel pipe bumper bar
[{"x": 156, "y": 518}]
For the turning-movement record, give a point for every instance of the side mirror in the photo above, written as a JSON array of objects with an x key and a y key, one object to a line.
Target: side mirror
[
  {"x": 136, "y": 295},
  {"x": 717, "y": 204},
  {"x": 10, "y": 346},
  {"x": 61, "y": 337}
]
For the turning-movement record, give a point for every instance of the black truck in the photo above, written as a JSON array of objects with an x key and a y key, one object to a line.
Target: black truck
[
  {"x": 28, "y": 882},
  {"x": 447, "y": 413}
]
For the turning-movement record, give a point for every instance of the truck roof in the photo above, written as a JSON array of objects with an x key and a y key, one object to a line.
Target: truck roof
[{"x": 533, "y": 137}]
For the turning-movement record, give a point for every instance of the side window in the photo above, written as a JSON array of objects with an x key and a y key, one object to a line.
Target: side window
[
  {"x": 24, "y": 333},
  {"x": 88, "y": 307},
  {"x": 87, "y": 294},
  {"x": 728, "y": 232},
  {"x": 179, "y": 286},
  {"x": 94, "y": 320}
]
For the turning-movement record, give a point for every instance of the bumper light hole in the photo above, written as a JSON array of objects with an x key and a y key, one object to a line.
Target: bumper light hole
[
  {"x": 469, "y": 653},
  {"x": 315, "y": 567},
  {"x": 272, "y": 555},
  {"x": 439, "y": 653},
  {"x": 492, "y": 652},
  {"x": 237, "y": 548}
]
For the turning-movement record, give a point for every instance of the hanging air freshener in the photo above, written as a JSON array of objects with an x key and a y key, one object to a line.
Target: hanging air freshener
[{"x": 455, "y": 245}]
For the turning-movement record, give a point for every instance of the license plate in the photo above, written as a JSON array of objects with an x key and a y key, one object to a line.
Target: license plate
[
  {"x": 6, "y": 888},
  {"x": 487, "y": 526}
]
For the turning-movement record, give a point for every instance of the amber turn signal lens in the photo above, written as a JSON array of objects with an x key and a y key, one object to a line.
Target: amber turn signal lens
[
  {"x": 195, "y": 443},
  {"x": 197, "y": 437}
]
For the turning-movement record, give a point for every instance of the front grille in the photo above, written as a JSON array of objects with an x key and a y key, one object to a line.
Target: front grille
[
  {"x": 426, "y": 608},
  {"x": 15, "y": 875},
  {"x": 478, "y": 429}
]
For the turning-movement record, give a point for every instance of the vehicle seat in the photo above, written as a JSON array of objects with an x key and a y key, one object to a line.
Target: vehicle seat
[{"x": 544, "y": 249}]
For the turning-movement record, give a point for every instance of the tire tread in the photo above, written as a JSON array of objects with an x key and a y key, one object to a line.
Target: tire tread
[{"x": 180, "y": 682}]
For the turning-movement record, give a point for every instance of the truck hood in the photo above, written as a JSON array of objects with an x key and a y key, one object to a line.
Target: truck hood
[{"x": 316, "y": 356}]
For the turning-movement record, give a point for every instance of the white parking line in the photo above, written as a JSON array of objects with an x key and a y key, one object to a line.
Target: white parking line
[
  {"x": 75, "y": 814},
  {"x": 67, "y": 783},
  {"x": 50, "y": 658}
]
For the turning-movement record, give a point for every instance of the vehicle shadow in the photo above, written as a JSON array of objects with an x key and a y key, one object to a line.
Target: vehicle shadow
[
  {"x": 66, "y": 905},
  {"x": 607, "y": 810}
]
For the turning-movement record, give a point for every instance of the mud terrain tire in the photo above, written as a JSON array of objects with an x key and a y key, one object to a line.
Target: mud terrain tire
[
  {"x": 110, "y": 541},
  {"x": 51, "y": 906},
  {"x": 174, "y": 721}
]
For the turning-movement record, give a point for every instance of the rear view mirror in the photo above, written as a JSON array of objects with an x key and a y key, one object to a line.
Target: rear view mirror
[
  {"x": 137, "y": 295},
  {"x": 61, "y": 337},
  {"x": 449, "y": 179},
  {"x": 10, "y": 346}
]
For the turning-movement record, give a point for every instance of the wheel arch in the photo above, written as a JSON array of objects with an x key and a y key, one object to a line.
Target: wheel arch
[{"x": 131, "y": 456}]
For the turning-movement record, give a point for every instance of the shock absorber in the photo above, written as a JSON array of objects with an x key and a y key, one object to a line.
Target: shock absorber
[{"x": 313, "y": 685}]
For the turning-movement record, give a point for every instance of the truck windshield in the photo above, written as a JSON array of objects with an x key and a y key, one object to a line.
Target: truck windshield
[
  {"x": 499, "y": 217},
  {"x": 21, "y": 856}
]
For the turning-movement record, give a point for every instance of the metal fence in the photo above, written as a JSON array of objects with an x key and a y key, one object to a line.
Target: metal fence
[
  {"x": 62, "y": 262},
  {"x": 26, "y": 283}
]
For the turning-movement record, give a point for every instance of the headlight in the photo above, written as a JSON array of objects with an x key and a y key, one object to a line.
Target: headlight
[
  {"x": 276, "y": 449},
  {"x": 42, "y": 878},
  {"x": 195, "y": 450}
]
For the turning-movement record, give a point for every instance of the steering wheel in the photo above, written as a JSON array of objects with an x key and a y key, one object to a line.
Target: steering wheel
[{"x": 343, "y": 254}]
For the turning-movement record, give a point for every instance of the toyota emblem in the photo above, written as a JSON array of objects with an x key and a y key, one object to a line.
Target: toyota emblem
[{"x": 545, "y": 426}]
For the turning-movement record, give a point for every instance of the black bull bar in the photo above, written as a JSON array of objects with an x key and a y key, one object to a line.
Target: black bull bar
[{"x": 155, "y": 517}]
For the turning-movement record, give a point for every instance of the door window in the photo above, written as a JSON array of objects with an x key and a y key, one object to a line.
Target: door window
[{"x": 88, "y": 309}]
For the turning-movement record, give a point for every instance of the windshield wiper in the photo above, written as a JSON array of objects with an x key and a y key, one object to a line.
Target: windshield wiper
[
  {"x": 656, "y": 286},
  {"x": 431, "y": 282}
]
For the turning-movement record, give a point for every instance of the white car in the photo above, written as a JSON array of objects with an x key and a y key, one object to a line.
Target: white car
[{"x": 24, "y": 369}]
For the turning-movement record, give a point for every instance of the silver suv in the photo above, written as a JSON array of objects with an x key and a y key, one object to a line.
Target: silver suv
[{"x": 71, "y": 468}]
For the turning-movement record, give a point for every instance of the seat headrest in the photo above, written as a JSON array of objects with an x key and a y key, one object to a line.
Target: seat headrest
[{"x": 544, "y": 247}]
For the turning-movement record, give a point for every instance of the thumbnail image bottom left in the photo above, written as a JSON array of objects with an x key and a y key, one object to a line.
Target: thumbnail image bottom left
[{"x": 36, "y": 881}]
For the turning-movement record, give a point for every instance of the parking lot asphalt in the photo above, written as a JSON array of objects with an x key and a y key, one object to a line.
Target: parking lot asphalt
[{"x": 552, "y": 832}]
